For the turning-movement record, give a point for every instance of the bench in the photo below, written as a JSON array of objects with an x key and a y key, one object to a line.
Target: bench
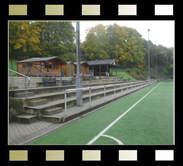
[
  {"x": 49, "y": 78},
  {"x": 104, "y": 74},
  {"x": 50, "y": 74},
  {"x": 127, "y": 80},
  {"x": 68, "y": 80},
  {"x": 87, "y": 76},
  {"x": 49, "y": 81}
]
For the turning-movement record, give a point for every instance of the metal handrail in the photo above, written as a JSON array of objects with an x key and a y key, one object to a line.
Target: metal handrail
[
  {"x": 20, "y": 74},
  {"x": 97, "y": 87},
  {"x": 26, "y": 77}
]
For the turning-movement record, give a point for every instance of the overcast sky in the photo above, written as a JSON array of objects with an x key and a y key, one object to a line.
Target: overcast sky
[{"x": 161, "y": 32}]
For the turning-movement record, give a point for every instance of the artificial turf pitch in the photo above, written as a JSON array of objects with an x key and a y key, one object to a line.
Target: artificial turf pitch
[{"x": 150, "y": 122}]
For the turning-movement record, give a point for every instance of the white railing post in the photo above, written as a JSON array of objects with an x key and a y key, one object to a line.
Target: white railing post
[
  {"x": 105, "y": 92},
  {"x": 90, "y": 96},
  {"x": 65, "y": 97},
  {"x": 114, "y": 91},
  {"x": 25, "y": 88}
]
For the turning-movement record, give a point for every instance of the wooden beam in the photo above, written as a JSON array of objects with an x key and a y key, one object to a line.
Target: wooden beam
[
  {"x": 100, "y": 70},
  {"x": 61, "y": 70}
]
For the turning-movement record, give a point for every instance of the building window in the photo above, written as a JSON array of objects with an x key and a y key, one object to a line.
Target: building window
[
  {"x": 53, "y": 66},
  {"x": 25, "y": 67},
  {"x": 48, "y": 65},
  {"x": 57, "y": 66}
]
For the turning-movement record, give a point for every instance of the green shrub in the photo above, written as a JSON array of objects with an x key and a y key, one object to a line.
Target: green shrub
[
  {"x": 128, "y": 70},
  {"x": 15, "y": 108}
]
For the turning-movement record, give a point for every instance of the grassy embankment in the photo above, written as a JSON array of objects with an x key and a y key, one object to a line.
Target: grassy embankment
[
  {"x": 12, "y": 66},
  {"x": 132, "y": 73}
]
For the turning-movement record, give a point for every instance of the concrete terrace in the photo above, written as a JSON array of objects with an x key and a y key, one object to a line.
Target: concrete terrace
[{"x": 21, "y": 133}]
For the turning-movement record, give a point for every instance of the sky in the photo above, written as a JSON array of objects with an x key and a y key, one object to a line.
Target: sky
[{"x": 161, "y": 32}]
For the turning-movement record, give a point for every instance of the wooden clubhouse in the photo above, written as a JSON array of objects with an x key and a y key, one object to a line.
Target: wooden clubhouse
[
  {"x": 101, "y": 66},
  {"x": 37, "y": 66},
  {"x": 84, "y": 67},
  {"x": 68, "y": 69}
]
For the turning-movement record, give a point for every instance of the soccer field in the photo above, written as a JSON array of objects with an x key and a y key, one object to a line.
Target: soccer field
[{"x": 145, "y": 117}]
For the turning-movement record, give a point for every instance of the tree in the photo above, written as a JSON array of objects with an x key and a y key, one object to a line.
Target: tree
[
  {"x": 96, "y": 46},
  {"x": 57, "y": 38},
  {"x": 41, "y": 39},
  {"x": 23, "y": 40},
  {"x": 160, "y": 57},
  {"x": 114, "y": 42}
]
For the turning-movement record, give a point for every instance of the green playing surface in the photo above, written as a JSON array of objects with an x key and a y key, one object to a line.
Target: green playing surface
[{"x": 149, "y": 122}]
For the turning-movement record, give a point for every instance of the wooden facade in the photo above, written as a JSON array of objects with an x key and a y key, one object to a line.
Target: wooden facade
[
  {"x": 37, "y": 66},
  {"x": 84, "y": 67},
  {"x": 100, "y": 67},
  {"x": 68, "y": 69}
]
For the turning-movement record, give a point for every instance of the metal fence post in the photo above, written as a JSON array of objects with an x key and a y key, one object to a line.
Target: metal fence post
[
  {"x": 127, "y": 87},
  {"x": 114, "y": 90},
  {"x": 65, "y": 96},
  {"x": 105, "y": 92},
  {"x": 90, "y": 96},
  {"x": 25, "y": 88}
]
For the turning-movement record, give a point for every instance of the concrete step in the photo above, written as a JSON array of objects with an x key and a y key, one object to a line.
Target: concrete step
[
  {"x": 75, "y": 111},
  {"x": 52, "y": 111},
  {"x": 37, "y": 102},
  {"x": 23, "y": 94},
  {"x": 22, "y": 85},
  {"x": 71, "y": 101},
  {"x": 48, "y": 111},
  {"x": 25, "y": 118},
  {"x": 13, "y": 87},
  {"x": 38, "y": 81},
  {"x": 52, "y": 89},
  {"x": 57, "y": 93},
  {"x": 54, "y": 96}
]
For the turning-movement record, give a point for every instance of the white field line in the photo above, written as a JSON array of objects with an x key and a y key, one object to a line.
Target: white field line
[
  {"x": 109, "y": 126},
  {"x": 115, "y": 139}
]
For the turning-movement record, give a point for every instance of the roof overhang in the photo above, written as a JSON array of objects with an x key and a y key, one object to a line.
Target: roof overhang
[
  {"x": 45, "y": 59},
  {"x": 111, "y": 62}
]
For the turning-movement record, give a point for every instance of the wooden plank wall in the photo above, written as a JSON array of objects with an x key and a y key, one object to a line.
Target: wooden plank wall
[{"x": 39, "y": 66}]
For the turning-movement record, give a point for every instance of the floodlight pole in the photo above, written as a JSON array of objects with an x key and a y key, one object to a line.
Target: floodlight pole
[
  {"x": 79, "y": 74},
  {"x": 156, "y": 68},
  {"x": 149, "y": 78}
]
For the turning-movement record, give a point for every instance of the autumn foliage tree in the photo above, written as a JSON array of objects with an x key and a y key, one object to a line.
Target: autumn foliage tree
[
  {"x": 41, "y": 39},
  {"x": 127, "y": 47},
  {"x": 23, "y": 40},
  {"x": 96, "y": 46},
  {"x": 114, "y": 42}
]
